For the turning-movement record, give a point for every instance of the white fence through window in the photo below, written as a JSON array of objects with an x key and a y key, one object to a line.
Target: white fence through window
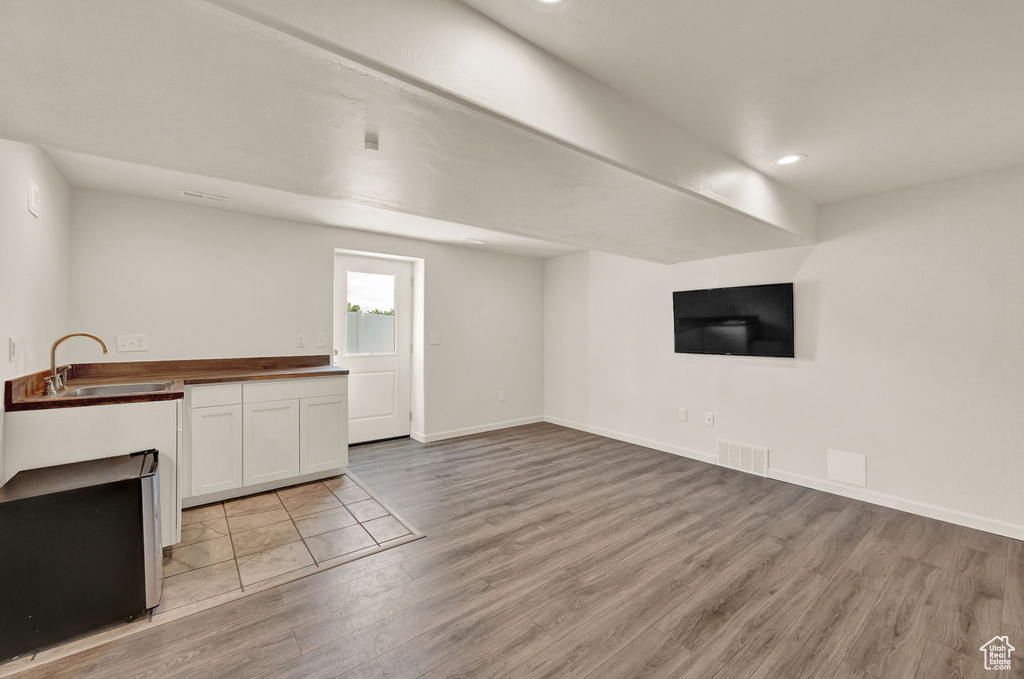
[{"x": 367, "y": 333}]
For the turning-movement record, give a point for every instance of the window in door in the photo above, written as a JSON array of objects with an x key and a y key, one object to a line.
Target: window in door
[{"x": 370, "y": 318}]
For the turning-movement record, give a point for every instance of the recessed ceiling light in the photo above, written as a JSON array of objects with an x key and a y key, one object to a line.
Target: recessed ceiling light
[
  {"x": 472, "y": 241},
  {"x": 790, "y": 159},
  {"x": 549, "y": 2}
]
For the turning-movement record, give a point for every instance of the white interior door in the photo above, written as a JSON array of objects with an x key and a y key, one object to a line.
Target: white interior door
[{"x": 373, "y": 339}]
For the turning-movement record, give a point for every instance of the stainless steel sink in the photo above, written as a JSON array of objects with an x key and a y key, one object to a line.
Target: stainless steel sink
[{"x": 117, "y": 389}]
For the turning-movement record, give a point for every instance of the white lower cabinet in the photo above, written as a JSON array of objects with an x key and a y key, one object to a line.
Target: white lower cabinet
[
  {"x": 323, "y": 439},
  {"x": 260, "y": 435},
  {"x": 270, "y": 441},
  {"x": 216, "y": 453}
]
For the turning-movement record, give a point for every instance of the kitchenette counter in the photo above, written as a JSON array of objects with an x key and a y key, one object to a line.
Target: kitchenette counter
[{"x": 29, "y": 392}]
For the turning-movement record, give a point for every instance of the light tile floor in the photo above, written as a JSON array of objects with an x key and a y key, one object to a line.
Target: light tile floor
[{"x": 228, "y": 546}]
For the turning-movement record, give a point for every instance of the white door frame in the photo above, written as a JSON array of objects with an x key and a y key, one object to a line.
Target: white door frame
[{"x": 401, "y": 362}]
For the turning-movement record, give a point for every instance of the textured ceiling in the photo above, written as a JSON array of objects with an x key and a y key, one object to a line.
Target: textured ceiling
[
  {"x": 879, "y": 94},
  {"x": 182, "y": 87},
  {"x": 104, "y": 174}
]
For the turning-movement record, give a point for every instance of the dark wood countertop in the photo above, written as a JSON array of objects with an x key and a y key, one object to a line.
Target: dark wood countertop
[{"x": 29, "y": 392}]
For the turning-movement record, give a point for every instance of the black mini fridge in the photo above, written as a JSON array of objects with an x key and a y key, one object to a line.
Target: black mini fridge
[{"x": 79, "y": 549}]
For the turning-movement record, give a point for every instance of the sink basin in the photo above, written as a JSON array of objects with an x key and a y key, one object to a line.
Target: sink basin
[{"x": 117, "y": 389}]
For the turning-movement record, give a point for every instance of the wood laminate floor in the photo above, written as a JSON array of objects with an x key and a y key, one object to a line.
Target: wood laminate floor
[{"x": 555, "y": 553}]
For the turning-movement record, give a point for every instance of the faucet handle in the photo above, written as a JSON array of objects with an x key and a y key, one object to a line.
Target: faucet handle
[
  {"x": 62, "y": 378},
  {"x": 51, "y": 387}
]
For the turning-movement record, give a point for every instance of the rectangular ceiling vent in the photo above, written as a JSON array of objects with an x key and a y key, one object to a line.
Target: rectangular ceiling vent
[
  {"x": 745, "y": 458},
  {"x": 199, "y": 195}
]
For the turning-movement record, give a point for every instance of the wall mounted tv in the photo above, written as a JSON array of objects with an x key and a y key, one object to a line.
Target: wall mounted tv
[{"x": 753, "y": 320}]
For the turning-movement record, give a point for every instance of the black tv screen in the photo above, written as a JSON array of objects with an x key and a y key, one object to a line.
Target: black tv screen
[{"x": 753, "y": 320}]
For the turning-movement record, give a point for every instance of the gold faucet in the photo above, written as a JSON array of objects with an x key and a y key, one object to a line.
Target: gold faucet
[{"x": 55, "y": 381}]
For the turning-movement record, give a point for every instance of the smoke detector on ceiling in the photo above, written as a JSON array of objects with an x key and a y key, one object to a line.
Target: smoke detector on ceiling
[{"x": 199, "y": 195}]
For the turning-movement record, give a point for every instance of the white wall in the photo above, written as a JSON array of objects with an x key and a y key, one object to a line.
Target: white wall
[
  {"x": 910, "y": 350},
  {"x": 33, "y": 261},
  {"x": 207, "y": 283}
]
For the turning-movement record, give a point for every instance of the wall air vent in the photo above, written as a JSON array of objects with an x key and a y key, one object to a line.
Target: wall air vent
[
  {"x": 199, "y": 195},
  {"x": 745, "y": 458},
  {"x": 34, "y": 198}
]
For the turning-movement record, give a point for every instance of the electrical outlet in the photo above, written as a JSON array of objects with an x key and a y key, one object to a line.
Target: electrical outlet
[
  {"x": 682, "y": 414},
  {"x": 301, "y": 340},
  {"x": 126, "y": 343},
  {"x": 435, "y": 338},
  {"x": 709, "y": 419},
  {"x": 12, "y": 349},
  {"x": 321, "y": 339},
  {"x": 501, "y": 395}
]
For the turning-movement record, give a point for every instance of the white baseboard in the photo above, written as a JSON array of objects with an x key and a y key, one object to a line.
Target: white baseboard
[
  {"x": 997, "y": 526},
  {"x": 638, "y": 440},
  {"x": 1005, "y": 528},
  {"x": 454, "y": 433}
]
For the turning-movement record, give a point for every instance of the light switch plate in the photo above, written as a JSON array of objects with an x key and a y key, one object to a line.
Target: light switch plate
[
  {"x": 301, "y": 342},
  {"x": 12, "y": 349},
  {"x": 682, "y": 414},
  {"x": 709, "y": 419},
  {"x": 126, "y": 343},
  {"x": 435, "y": 338},
  {"x": 321, "y": 339}
]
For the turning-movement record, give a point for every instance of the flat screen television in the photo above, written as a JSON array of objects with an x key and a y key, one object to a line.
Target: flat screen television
[{"x": 752, "y": 320}]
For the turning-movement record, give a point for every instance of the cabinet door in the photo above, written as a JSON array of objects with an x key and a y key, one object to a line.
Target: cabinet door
[
  {"x": 271, "y": 441},
  {"x": 323, "y": 442},
  {"x": 216, "y": 455}
]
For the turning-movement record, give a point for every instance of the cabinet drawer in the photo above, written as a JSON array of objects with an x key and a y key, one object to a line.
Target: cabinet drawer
[
  {"x": 279, "y": 390},
  {"x": 216, "y": 395}
]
